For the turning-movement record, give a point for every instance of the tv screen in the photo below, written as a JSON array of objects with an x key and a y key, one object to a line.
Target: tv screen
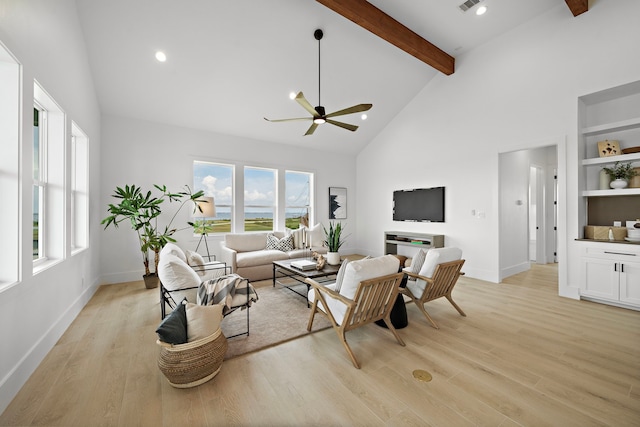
[{"x": 419, "y": 204}]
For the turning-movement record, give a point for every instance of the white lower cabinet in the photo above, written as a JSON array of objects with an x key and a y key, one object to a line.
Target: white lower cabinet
[{"x": 611, "y": 274}]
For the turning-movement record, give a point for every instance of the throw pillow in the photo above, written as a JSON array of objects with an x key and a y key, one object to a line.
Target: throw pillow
[
  {"x": 173, "y": 329},
  {"x": 194, "y": 259},
  {"x": 202, "y": 320},
  {"x": 418, "y": 261},
  {"x": 315, "y": 236},
  {"x": 340, "y": 275},
  {"x": 285, "y": 244},
  {"x": 298, "y": 237}
]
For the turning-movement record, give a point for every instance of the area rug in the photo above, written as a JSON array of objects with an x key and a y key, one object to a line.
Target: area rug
[{"x": 278, "y": 316}]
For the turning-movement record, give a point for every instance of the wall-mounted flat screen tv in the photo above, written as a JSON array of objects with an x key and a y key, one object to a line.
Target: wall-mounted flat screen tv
[{"x": 419, "y": 204}]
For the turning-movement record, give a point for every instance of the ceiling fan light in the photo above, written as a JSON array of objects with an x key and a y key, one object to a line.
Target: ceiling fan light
[
  {"x": 481, "y": 10},
  {"x": 319, "y": 120}
]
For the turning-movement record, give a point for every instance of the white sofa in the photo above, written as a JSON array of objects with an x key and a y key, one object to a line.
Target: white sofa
[{"x": 248, "y": 256}]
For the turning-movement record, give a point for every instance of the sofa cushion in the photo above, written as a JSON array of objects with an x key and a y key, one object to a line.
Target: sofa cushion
[
  {"x": 285, "y": 244},
  {"x": 263, "y": 257},
  {"x": 246, "y": 242},
  {"x": 173, "y": 249},
  {"x": 202, "y": 320},
  {"x": 175, "y": 273},
  {"x": 438, "y": 256},
  {"x": 194, "y": 259}
]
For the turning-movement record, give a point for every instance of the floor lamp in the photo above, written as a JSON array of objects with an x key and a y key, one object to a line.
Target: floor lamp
[{"x": 205, "y": 209}]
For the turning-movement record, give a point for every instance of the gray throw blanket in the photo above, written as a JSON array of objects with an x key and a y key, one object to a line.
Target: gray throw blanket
[{"x": 232, "y": 291}]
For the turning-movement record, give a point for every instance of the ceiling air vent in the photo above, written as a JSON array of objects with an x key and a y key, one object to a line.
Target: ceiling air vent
[{"x": 468, "y": 5}]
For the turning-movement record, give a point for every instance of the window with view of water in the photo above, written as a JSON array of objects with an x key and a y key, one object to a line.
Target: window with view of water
[
  {"x": 216, "y": 180},
  {"x": 259, "y": 199},
  {"x": 298, "y": 198}
]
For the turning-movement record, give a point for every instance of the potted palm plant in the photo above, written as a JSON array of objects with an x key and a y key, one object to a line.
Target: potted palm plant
[
  {"x": 142, "y": 211},
  {"x": 333, "y": 241},
  {"x": 620, "y": 174}
]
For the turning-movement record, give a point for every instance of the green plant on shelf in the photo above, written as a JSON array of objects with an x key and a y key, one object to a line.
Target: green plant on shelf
[{"x": 621, "y": 171}]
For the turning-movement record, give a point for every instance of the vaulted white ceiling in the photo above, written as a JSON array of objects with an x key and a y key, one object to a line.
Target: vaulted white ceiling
[{"x": 231, "y": 63}]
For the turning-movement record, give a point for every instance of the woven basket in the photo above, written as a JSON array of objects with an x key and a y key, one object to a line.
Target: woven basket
[{"x": 194, "y": 363}]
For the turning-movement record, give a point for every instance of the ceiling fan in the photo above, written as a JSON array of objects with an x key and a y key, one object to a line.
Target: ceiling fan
[{"x": 318, "y": 114}]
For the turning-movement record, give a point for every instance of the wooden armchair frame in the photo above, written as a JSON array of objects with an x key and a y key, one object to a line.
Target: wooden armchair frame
[
  {"x": 440, "y": 285},
  {"x": 373, "y": 300}
]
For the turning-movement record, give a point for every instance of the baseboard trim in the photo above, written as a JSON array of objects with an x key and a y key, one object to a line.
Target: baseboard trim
[
  {"x": 514, "y": 269},
  {"x": 18, "y": 376}
]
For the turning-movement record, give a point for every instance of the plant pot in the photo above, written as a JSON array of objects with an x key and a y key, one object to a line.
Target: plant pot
[
  {"x": 619, "y": 183},
  {"x": 333, "y": 258},
  {"x": 151, "y": 281}
]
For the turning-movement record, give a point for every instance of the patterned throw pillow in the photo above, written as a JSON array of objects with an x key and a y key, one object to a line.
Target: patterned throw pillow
[
  {"x": 418, "y": 260},
  {"x": 285, "y": 244},
  {"x": 340, "y": 275}
]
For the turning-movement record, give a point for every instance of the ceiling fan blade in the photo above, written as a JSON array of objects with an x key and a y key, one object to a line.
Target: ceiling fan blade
[
  {"x": 305, "y": 104},
  {"x": 347, "y": 126},
  {"x": 288, "y": 120},
  {"x": 311, "y": 129},
  {"x": 355, "y": 109}
]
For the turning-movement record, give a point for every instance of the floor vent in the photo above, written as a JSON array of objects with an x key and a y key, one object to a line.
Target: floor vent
[{"x": 468, "y": 4}]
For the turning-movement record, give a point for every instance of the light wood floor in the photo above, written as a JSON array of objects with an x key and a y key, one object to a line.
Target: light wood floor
[{"x": 522, "y": 356}]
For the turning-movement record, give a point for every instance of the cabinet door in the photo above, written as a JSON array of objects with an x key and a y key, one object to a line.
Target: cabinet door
[
  {"x": 600, "y": 278},
  {"x": 630, "y": 283}
]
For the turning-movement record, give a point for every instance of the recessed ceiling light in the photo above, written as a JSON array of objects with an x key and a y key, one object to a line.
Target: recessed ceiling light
[
  {"x": 363, "y": 117},
  {"x": 160, "y": 56},
  {"x": 481, "y": 10}
]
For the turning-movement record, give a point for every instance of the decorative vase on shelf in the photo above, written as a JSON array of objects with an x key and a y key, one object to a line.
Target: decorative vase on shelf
[
  {"x": 618, "y": 183},
  {"x": 605, "y": 180},
  {"x": 333, "y": 258}
]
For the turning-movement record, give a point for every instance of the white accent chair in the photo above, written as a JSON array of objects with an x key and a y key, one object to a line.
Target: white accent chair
[
  {"x": 436, "y": 279},
  {"x": 366, "y": 294}
]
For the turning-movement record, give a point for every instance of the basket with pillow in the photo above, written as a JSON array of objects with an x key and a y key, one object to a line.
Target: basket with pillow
[{"x": 192, "y": 345}]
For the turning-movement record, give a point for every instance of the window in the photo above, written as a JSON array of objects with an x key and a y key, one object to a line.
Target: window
[
  {"x": 259, "y": 199},
  {"x": 268, "y": 198},
  {"x": 10, "y": 212},
  {"x": 39, "y": 181},
  {"x": 49, "y": 198},
  {"x": 216, "y": 180},
  {"x": 79, "y": 189},
  {"x": 298, "y": 198}
]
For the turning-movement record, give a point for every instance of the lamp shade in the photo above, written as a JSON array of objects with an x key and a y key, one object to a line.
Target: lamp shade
[{"x": 207, "y": 206}]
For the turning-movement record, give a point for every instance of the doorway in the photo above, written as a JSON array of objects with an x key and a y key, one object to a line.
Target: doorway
[{"x": 528, "y": 204}]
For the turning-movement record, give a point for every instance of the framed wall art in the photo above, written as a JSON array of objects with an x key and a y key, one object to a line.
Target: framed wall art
[{"x": 337, "y": 203}]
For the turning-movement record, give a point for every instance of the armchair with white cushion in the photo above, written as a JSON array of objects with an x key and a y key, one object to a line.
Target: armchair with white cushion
[
  {"x": 364, "y": 292},
  {"x": 434, "y": 278}
]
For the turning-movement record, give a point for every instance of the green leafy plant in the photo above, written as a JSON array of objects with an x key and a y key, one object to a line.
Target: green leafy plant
[
  {"x": 142, "y": 211},
  {"x": 333, "y": 236},
  {"x": 620, "y": 171}
]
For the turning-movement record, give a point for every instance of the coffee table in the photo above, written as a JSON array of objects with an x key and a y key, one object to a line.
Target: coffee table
[{"x": 285, "y": 268}]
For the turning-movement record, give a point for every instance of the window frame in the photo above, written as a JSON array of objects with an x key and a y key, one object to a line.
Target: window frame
[
  {"x": 273, "y": 207},
  {"x": 40, "y": 182}
]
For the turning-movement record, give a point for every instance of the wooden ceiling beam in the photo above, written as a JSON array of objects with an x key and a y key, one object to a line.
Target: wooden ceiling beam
[
  {"x": 577, "y": 6},
  {"x": 379, "y": 23}
]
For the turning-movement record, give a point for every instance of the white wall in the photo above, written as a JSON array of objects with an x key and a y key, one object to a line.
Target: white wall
[
  {"x": 515, "y": 91},
  {"x": 46, "y": 39},
  {"x": 146, "y": 153}
]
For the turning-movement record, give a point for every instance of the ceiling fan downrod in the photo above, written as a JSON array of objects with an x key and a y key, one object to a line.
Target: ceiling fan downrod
[{"x": 318, "y": 36}]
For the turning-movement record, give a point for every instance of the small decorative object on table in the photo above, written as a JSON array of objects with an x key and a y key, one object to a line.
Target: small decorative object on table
[{"x": 320, "y": 262}]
